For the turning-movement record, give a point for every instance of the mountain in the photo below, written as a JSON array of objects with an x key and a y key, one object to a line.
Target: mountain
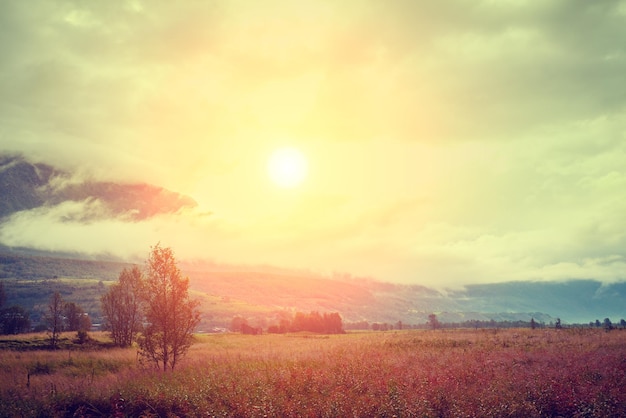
[
  {"x": 25, "y": 186},
  {"x": 20, "y": 184},
  {"x": 262, "y": 294},
  {"x": 574, "y": 300}
]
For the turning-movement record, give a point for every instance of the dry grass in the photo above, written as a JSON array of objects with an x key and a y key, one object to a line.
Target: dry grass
[{"x": 517, "y": 373}]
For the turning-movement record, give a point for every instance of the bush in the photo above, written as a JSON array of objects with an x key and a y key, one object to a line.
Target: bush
[{"x": 82, "y": 337}]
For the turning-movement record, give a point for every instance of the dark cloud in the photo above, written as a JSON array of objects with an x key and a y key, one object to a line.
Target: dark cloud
[{"x": 26, "y": 186}]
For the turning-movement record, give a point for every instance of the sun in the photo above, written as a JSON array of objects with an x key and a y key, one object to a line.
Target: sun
[{"x": 287, "y": 167}]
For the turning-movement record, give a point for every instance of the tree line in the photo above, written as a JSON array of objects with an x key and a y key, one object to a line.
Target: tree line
[
  {"x": 434, "y": 323},
  {"x": 607, "y": 324},
  {"x": 322, "y": 323}
]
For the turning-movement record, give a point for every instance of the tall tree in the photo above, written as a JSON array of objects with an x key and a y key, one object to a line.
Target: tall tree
[
  {"x": 170, "y": 314},
  {"x": 76, "y": 318},
  {"x": 434, "y": 322},
  {"x": 54, "y": 318},
  {"x": 121, "y": 306}
]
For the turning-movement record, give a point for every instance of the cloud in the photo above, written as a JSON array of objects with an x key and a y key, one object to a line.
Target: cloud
[
  {"x": 448, "y": 142},
  {"x": 412, "y": 70},
  {"x": 86, "y": 227}
]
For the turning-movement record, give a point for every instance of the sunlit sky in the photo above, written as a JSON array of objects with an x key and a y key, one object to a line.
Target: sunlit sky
[{"x": 447, "y": 142}]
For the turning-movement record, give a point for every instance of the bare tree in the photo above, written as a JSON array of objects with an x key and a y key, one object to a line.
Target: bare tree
[
  {"x": 54, "y": 318},
  {"x": 170, "y": 314},
  {"x": 121, "y": 306}
]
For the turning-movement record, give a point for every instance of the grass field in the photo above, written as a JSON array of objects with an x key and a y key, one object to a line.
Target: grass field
[{"x": 457, "y": 373}]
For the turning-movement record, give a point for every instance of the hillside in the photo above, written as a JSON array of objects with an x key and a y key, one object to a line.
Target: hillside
[{"x": 263, "y": 294}]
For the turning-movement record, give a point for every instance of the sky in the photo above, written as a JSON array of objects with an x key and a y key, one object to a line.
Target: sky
[{"x": 447, "y": 142}]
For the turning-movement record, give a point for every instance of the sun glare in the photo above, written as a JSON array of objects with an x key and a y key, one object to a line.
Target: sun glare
[{"x": 287, "y": 167}]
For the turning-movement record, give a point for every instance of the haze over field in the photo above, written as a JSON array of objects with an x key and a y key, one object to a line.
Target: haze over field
[{"x": 445, "y": 143}]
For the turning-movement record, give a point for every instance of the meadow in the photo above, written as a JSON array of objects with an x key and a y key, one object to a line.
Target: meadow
[{"x": 415, "y": 373}]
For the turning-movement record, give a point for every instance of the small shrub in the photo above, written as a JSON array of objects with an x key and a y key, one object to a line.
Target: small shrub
[
  {"x": 82, "y": 337},
  {"x": 39, "y": 368}
]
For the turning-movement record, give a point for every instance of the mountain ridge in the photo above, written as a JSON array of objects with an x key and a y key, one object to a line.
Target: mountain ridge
[{"x": 260, "y": 292}]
